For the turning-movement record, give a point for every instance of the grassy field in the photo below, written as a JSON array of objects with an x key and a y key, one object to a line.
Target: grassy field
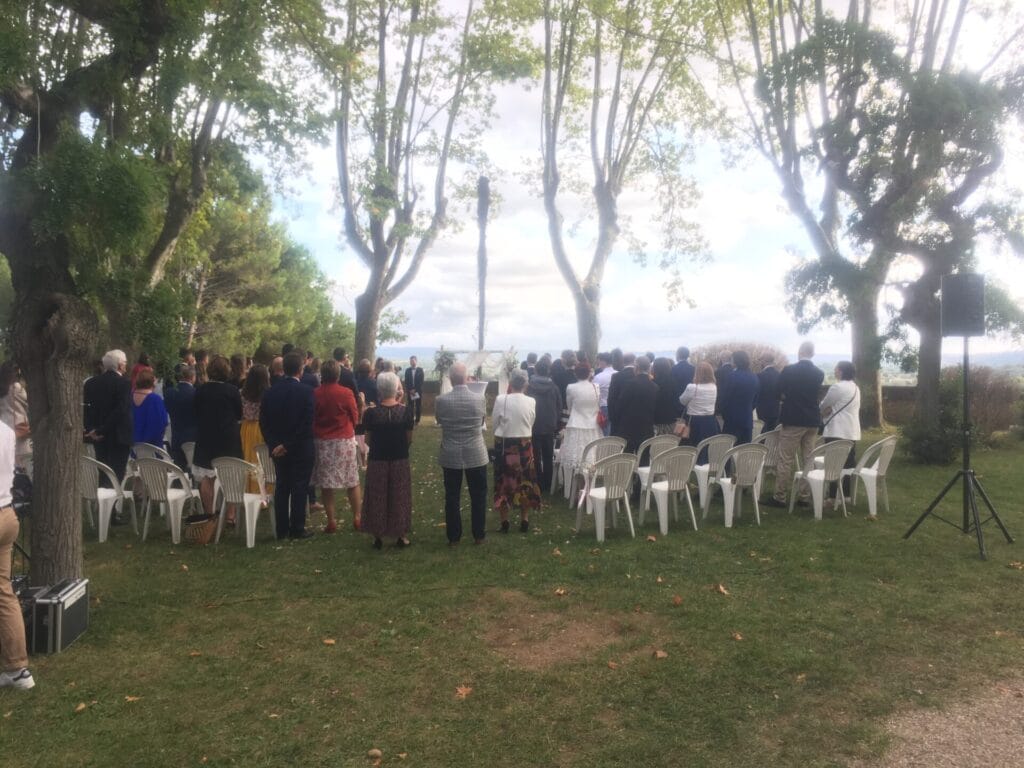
[{"x": 533, "y": 650}]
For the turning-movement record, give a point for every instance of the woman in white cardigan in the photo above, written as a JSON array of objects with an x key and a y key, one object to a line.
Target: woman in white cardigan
[
  {"x": 515, "y": 474},
  {"x": 840, "y": 413},
  {"x": 583, "y": 399}
]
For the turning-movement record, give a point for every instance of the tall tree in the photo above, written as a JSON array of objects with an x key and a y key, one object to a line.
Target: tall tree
[
  {"x": 900, "y": 142},
  {"x": 413, "y": 96},
  {"x": 619, "y": 98}
]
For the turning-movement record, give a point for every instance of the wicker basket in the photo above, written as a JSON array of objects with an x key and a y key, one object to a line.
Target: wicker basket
[{"x": 200, "y": 529}]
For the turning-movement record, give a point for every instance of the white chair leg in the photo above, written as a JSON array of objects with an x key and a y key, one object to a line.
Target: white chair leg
[
  {"x": 105, "y": 508},
  {"x": 579, "y": 515},
  {"x": 728, "y": 500},
  {"x": 662, "y": 516},
  {"x": 871, "y": 491},
  {"x": 757, "y": 509},
  {"x": 629, "y": 518},
  {"x": 252, "y": 516},
  {"x": 598, "y": 507},
  {"x": 689, "y": 503},
  {"x": 797, "y": 477},
  {"x": 817, "y": 495},
  {"x": 702, "y": 472},
  {"x": 174, "y": 509}
]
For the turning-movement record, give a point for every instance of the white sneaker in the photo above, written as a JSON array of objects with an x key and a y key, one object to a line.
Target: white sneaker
[{"x": 21, "y": 679}]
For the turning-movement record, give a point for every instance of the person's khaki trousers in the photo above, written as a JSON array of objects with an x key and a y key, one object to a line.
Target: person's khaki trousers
[
  {"x": 13, "y": 655},
  {"x": 791, "y": 440}
]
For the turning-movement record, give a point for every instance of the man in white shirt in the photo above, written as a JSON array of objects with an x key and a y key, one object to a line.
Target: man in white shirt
[
  {"x": 603, "y": 379},
  {"x": 13, "y": 653}
]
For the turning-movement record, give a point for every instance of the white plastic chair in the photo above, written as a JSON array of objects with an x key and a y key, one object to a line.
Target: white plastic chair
[
  {"x": 769, "y": 440},
  {"x": 234, "y": 475},
  {"x": 834, "y": 455},
  {"x": 593, "y": 452},
  {"x": 758, "y": 426},
  {"x": 150, "y": 451},
  {"x": 88, "y": 449},
  {"x": 718, "y": 446},
  {"x": 615, "y": 474},
  {"x": 268, "y": 472},
  {"x": 872, "y": 469},
  {"x": 675, "y": 466},
  {"x": 189, "y": 449},
  {"x": 155, "y": 475},
  {"x": 104, "y": 499},
  {"x": 654, "y": 446},
  {"x": 745, "y": 463}
]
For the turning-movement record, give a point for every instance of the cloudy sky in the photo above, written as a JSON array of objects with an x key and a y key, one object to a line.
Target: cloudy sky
[{"x": 737, "y": 295}]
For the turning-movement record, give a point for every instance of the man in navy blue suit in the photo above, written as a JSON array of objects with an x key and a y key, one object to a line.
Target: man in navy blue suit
[
  {"x": 286, "y": 420},
  {"x": 683, "y": 370},
  {"x": 799, "y": 388}
]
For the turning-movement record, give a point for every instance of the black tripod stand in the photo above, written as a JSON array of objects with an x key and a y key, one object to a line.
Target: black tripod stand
[{"x": 971, "y": 485}]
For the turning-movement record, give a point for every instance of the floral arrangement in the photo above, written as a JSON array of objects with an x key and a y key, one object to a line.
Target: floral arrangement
[
  {"x": 444, "y": 359},
  {"x": 510, "y": 361}
]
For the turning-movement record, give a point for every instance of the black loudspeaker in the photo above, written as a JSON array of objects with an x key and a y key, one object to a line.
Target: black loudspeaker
[{"x": 963, "y": 305}]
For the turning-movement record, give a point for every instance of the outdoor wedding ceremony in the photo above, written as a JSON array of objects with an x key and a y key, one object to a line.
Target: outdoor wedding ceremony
[{"x": 575, "y": 383}]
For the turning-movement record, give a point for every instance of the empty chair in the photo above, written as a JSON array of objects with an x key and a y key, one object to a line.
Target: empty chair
[
  {"x": 769, "y": 440},
  {"x": 744, "y": 464},
  {"x": 610, "y": 478},
  {"x": 674, "y": 467},
  {"x": 103, "y": 499},
  {"x": 717, "y": 446},
  {"x": 871, "y": 469},
  {"x": 653, "y": 446},
  {"x": 758, "y": 426},
  {"x": 593, "y": 452},
  {"x": 268, "y": 472},
  {"x": 155, "y": 474},
  {"x": 150, "y": 451},
  {"x": 834, "y": 455},
  {"x": 234, "y": 476},
  {"x": 189, "y": 449}
]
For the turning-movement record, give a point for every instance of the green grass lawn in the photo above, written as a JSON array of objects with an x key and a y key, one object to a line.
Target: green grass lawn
[{"x": 217, "y": 656}]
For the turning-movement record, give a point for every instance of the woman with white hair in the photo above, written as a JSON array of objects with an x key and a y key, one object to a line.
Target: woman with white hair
[
  {"x": 514, "y": 471},
  {"x": 387, "y": 500}
]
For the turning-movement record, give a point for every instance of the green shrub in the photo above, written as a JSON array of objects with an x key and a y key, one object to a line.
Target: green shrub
[{"x": 938, "y": 442}]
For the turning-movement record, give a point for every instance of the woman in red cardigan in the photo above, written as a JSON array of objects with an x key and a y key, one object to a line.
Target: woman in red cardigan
[{"x": 334, "y": 420}]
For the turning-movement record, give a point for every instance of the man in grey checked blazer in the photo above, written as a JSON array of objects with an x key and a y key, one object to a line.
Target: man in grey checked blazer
[{"x": 461, "y": 414}]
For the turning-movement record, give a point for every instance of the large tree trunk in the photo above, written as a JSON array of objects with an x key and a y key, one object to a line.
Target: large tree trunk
[
  {"x": 369, "y": 305},
  {"x": 867, "y": 354},
  {"x": 588, "y": 321},
  {"x": 54, "y": 333}
]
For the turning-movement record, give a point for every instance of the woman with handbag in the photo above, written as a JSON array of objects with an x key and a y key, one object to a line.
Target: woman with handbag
[
  {"x": 699, "y": 398},
  {"x": 583, "y": 399},
  {"x": 840, "y": 411},
  {"x": 514, "y": 473}
]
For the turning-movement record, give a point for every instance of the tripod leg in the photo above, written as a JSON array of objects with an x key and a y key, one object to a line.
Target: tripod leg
[
  {"x": 934, "y": 504},
  {"x": 973, "y": 503},
  {"x": 991, "y": 509}
]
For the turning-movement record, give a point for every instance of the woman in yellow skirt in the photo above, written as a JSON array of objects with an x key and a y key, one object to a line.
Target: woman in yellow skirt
[{"x": 256, "y": 383}]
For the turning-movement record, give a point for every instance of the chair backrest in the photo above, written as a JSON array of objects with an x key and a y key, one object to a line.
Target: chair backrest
[
  {"x": 834, "y": 454},
  {"x": 878, "y": 455},
  {"x": 601, "y": 448},
  {"x": 189, "y": 449},
  {"x": 89, "y": 477},
  {"x": 233, "y": 475},
  {"x": 150, "y": 451},
  {"x": 266, "y": 463},
  {"x": 615, "y": 473},
  {"x": 747, "y": 462},
  {"x": 88, "y": 449},
  {"x": 676, "y": 464},
  {"x": 758, "y": 426},
  {"x": 656, "y": 445},
  {"x": 770, "y": 440},
  {"x": 154, "y": 474},
  {"x": 717, "y": 446}
]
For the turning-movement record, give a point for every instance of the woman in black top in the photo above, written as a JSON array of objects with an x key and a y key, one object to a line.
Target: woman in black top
[
  {"x": 387, "y": 501},
  {"x": 666, "y": 405},
  {"x": 218, "y": 409}
]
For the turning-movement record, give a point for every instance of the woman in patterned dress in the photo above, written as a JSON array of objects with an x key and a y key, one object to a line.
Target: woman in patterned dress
[
  {"x": 388, "y": 499},
  {"x": 257, "y": 381},
  {"x": 514, "y": 470},
  {"x": 334, "y": 420}
]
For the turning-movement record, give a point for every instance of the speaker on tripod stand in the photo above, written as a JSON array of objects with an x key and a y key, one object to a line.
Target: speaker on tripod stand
[{"x": 963, "y": 314}]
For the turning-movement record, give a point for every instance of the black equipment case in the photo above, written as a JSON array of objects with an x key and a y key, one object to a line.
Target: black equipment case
[{"x": 56, "y": 616}]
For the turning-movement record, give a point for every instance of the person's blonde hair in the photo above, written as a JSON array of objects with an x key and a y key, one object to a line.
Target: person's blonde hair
[{"x": 705, "y": 373}]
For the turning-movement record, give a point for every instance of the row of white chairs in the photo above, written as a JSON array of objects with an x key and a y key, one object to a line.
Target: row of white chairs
[
  {"x": 168, "y": 489},
  {"x": 606, "y": 474}
]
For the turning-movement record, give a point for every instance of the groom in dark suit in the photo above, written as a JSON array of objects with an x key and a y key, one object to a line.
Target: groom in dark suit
[
  {"x": 286, "y": 420},
  {"x": 799, "y": 388},
  {"x": 414, "y": 387}
]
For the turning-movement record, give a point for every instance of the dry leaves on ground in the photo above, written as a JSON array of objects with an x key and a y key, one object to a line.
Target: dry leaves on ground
[
  {"x": 677, "y": 600},
  {"x": 1017, "y": 565},
  {"x": 329, "y": 641},
  {"x": 462, "y": 691},
  {"x": 194, "y": 654},
  {"x": 556, "y": 552},
  {"x": 737, "y": 636},
  {"x": 720, "y": 589},
  {"x": 660, "y": 654},
  {"x": 561, "y": 591},
  {"x": 132, "y": 698},
  {"x": 613, "y": 665},
  {"x": 652, "y": 538},
  {"x": 82, "y": 706}
]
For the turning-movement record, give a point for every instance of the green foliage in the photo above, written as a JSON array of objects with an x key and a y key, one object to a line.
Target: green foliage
[
  {"x": 390, "y": 329},
  {"x": 156, "y": 317},
  {"x": 937, "y": 441}
]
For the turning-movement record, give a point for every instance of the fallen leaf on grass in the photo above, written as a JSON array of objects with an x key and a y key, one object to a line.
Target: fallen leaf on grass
[
  {"x": 801, "y": 677},
  {"x": 652, "y": 538},
  {"x": 659, "y": 580},
  {"x": 595, "y": 551},
  {"x": 8, "y": 714},
  {"x": 612, "y": 665},
  {"x": 184, "y": 567},
  {"x": 1017, "y": 565},
  {"x": 556, "y": 552},
  {"x": 132, "y": 698},
  {"x": 677, "y": 600},
  {"x": 462, "y": 691},
  {"x": 194, "y": 654},
  {"x": 561, "y": 591},
  {"x": 82, "y": 706},
  {"x": 273, "y": 716},
  {"x": 720, "y": 589},
  {"x": 317, "y": 571},
  {"x": 402, "y": 755},
  {"x": 329, "y": 641},
  {"x": 660, "y": 654},
  {"x": 737, "y": 636},
  {"x": 203, "y": 759}
]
